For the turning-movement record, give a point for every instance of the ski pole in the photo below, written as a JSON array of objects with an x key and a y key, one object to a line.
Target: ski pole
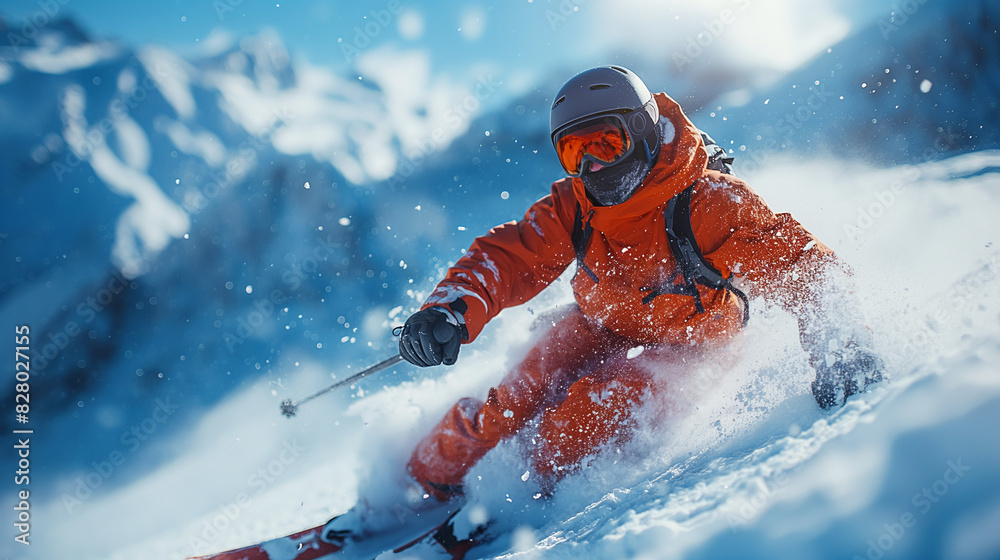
[{"x": 290, "y": 407}]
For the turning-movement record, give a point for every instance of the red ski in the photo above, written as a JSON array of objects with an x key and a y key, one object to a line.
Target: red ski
[
  {"x": 307, "y": 545},
  {"x": 304, "y": 545}
]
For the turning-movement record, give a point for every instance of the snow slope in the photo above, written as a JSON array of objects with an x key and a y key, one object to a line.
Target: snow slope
[{"x": 756, "y": 469}]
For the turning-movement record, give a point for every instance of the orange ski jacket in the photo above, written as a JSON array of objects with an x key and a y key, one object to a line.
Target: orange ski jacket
[{"x": 629, "y": 253}]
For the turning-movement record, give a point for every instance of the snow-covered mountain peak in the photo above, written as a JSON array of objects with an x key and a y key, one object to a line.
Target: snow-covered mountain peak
[
  {"x": 57, "y": 47},
  {"x": 261, "y": 58}
]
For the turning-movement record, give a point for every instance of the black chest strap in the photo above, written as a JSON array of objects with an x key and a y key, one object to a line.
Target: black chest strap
[
  {"x": 692, "y": 266},
  {"x": 691, "y": 262},
  {"x": 581, "y": 240}
]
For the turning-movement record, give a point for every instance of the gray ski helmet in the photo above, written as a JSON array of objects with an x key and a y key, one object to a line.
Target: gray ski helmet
[{"x": 604, "y": 90}]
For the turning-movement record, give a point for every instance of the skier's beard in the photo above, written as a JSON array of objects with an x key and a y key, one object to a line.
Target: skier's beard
[{"x": 615, "y": 184}]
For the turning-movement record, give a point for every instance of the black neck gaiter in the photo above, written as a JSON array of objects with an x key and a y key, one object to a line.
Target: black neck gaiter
[{"x": 615, "y": 184}]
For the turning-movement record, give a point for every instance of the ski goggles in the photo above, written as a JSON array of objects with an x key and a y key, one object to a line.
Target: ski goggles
[{"x": 604, "y": 140}]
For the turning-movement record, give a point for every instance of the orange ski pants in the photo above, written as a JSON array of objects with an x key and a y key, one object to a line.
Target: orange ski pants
[{"x": 576, "y": 380}]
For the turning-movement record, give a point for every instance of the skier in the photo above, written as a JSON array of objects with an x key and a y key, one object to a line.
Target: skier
[{"x": 661, "y": 233}]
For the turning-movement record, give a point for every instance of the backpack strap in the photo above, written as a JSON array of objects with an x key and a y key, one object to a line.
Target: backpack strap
[
  {"x": 581, "y": 239},
  {"x": 691, "y": 262}
]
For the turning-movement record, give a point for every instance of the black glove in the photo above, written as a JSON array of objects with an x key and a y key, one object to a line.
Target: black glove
[
  {"x": 431, "y": 337},
  {"x": 853, "y": 371}
]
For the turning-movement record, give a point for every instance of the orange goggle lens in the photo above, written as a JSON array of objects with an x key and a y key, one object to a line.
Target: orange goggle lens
[{"x": 604, "y": 140}]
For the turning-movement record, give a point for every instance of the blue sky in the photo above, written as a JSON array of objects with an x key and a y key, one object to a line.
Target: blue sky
[
  {"x": 520, "y": 39},
  {"x": 460, "y": 31}
]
